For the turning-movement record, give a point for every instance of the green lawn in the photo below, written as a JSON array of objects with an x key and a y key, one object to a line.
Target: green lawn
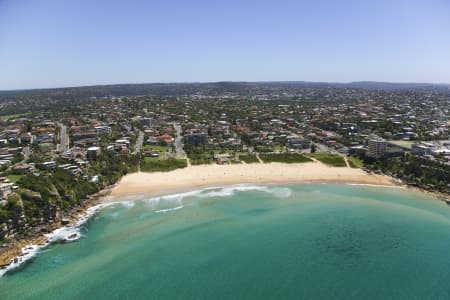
[
  {"x": 249, "y": 158},
  {"x": 7, "y": 117},
  {"x": 265, "y": 149},
  {"x": 160, "y": 149},
  {"x": 150, "y": 164},
  {"x": 284, "y": 158},
  {"x": 201, "y": 161},
  {"x": 14, "y": 178},
  {"x": 334, "y": 160},
  {"x": 355, "y": 162},
  {"x": 204, "y": 158}
]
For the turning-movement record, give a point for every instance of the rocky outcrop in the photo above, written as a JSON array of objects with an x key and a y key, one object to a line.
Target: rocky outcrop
[{"x": 30, "y": 215}]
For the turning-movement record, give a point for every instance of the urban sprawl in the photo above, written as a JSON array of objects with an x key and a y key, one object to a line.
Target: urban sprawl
[{"x": 60, "y": 147}]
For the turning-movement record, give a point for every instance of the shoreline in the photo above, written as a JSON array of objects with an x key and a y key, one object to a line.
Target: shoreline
[
  {"x": 144, "y": 195},
  {"x": 207, "y": 176},
  {"x": 42, "y": 236},
  {"x": 193, "y": 178}
]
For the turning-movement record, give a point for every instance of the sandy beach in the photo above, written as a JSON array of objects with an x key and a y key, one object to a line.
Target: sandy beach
[{"x": 160, "y": 183}]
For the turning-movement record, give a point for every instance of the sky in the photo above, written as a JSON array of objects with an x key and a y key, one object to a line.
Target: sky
[{"x": 57, "y": 43}]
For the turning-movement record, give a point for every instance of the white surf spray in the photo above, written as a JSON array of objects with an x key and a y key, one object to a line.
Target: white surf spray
[
  {"x": 376, "y": 185},
  {"x": 62, "y": 234},
  {"x": 28, "y": 252},
  {"x": 160, "y": 203},
  {"x": 169, "y": 209},
  {"x": 278, "y": 192},
  {"x": 73, "y": 232}
]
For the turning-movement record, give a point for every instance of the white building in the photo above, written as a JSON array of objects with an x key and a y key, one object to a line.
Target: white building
[
  {"x": 422, "y": 148},
  {"x": 376, "y": 146},
  {"x": 103, "y": 130},
  {"x": 5, "y": 190}
]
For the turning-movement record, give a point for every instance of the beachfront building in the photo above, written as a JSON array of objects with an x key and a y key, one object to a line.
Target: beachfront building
[{"x": 376, "y": 146}]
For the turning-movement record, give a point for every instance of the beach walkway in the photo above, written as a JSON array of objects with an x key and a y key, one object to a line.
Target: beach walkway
[
  {"x": 259, "y": 158},
  {"x": 346, "y": 161}
]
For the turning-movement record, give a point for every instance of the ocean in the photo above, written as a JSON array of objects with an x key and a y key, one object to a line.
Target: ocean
[{"x": 308, "y": 241}]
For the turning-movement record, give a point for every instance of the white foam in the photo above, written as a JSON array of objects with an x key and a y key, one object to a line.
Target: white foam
[
  {"x": 231, "y": 190},
  {"x": 376, "y": 185},
  {"x": 169, "y": 209},
  {"x": 62, "y": 233},
  {"x": 209, "y": 192},
  {"x": 128, "y": 204},
  {"x": 56, "y": 235},
  {"x": 175, "y": 197},
  {"x": 28, "y": 251},
  {"x": 219, "y": 192}
]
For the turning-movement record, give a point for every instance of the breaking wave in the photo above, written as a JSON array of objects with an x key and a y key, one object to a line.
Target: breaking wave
[
  {"x": 169, "y": 209},
  {"x": 73, "y": 232},
  {"x": 63, "y": 234},
  {"x": 230, "y": 191},
  {"x": 376, "y": 185},
  {"x": 214, "y": 192}
]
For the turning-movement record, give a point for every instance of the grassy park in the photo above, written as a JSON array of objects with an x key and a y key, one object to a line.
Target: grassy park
[
  {"x": 284, "y": 158},
  {"x": 355, "y": 162},
  {"x": 150, "y": 164},
  {"x": 334, "y": 160},
  {"x": 249, "y": 159}
]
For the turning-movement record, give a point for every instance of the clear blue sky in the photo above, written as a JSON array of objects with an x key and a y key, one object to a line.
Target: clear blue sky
[{"x": 52, "y": 43}]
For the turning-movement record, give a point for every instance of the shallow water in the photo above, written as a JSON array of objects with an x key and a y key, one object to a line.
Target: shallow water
[{"x": 252, "y": 242}]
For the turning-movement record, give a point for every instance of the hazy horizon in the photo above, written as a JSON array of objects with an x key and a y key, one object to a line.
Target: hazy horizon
[
  {"x": 50, "y": 44},
  {"x": 229, "y": 81}
]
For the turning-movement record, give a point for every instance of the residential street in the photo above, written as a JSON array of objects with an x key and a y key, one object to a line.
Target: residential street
[
  {"x": 63, "y": 138},
  {"x": 179, "y": 142},
  {"x": 139, "y": 142}
]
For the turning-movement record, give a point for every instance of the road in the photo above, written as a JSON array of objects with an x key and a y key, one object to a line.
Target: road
[
  {"x": 179, "y": 142},
  {"x": 63, "y": 138},
  {"x": 139, "y": 142}
]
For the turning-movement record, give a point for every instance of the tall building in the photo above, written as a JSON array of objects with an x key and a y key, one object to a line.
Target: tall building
[{"x": 376, "y": 146}]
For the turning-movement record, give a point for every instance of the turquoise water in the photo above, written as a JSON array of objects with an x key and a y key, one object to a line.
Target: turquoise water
[{"x": 248, "y": 242}]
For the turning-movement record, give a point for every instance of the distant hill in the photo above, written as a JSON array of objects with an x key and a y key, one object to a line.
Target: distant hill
[
  {"x": 396, "y": 86},
  {"x": 210, "y": 88}
]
